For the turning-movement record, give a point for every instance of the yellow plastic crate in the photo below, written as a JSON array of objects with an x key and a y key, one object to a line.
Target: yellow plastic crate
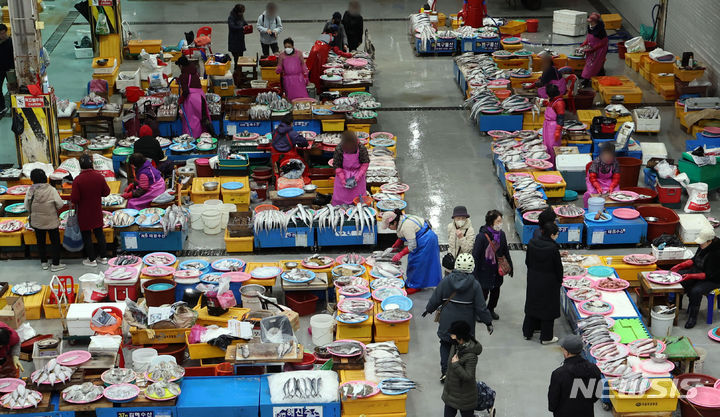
[
  {"x": 662, "y": 396},
  {"x": 33, "y": 303},
  {"x": 199, "y": 195},
  {"x": 239, "y": 197},
  {"x": 687, "y": 75},
  {"x": 333, "y": 125},
  {"x": 402, "y": 343},
  {"x": 329, "y": 183},
  {"x": 264, "y": 282},
  {"x": 517, "y": 82},
  {"x": 512, "y": 63},
  {"x": 355, "y": 331},
  {"x": 358, "y": 127},
  {"x": 612, "y": 21},
  {"x": 235, "y": 313},
  {"x": 621, "y": 120},
  {"x": 13, "y": 239},
  {"x": 513, "y": 27},
  {"x": 52, "y": 311},
  {"x": 586, "y": 116},
  {"x": 551, "y": 190},
  {"x": 238, "y": 244},
  {"x": 174, "y": 85},
  {"x": 392, "y": 330},
  {"x": 633, "y": 95},
  {"x": 512, "y": 47},
  {"x": 151, "y": 46},
  {"x": 576, "y": 64},
  {"x": 347, "y": 90},
  {"x": 655, "y": 67},
  {"x": 625, "y": 271},
  {"x": 110, "y": 78},
  {"x": 632, "y": 60},
  {"x": 269, "y": 74},
  {"x": 211, "y": 68},
  {"x": 143, "y": 337},
  {"x": 204, "y": 350}
]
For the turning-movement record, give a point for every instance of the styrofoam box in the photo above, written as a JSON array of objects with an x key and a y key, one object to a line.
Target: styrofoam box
[
  {"x": 646, "y": 125},
  {"x": 133, "y": 82},
  {"x": 671, "y": 253},
  {"x": 84, "y": 53},
  {"x": 691, "y": 225},
  {"x": 145, "y": 73},
  {"x": 40, "y": 360},
  {"x": 78, "y": 317},
  {"x": 568, "y": 29},
  {"x": 653, "y": 150},
  {"x": 573, "y": 162},
  {"x": 107, "y": 69},
  {"x": 572, "y": 17}
]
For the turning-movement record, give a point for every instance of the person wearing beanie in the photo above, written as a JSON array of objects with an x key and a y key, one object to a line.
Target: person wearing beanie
[
  {"x": 150, "y": 148},
  {"x": 461, "y": 234},
  {"x": 460, "y": 392},
  {"x": 423, "y": 267},
  {"x": 574, "y": 387},
  {"x": 595, "y": 48},
  {"x": 458, "y": 297},
  {"x": 340, "y": 39}
]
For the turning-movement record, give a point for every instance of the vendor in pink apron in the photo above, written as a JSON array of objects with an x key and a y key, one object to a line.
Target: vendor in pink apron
[
  {"x": 595, "y": 48},
  {"x": 10, "y": 366},
  {"x": 149, "y": 183},
  {"x": 291, "y": 65},
  {"x": 554, "y": 119},
  {"x": 193, "y": 104},
  {"x": 550, "y": 75},
  {"x": 604, "y": 174},
  {"x": 351, "y": 162}
]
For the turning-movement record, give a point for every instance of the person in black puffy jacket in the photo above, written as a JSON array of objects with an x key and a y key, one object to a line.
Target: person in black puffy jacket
[{"x": 574, "y": 386}]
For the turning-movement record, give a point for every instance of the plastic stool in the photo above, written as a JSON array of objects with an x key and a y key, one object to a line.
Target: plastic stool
[{"x": 711, "y": 304}]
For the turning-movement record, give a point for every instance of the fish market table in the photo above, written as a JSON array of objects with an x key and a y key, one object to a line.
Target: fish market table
[
  {"x": 271, "y": 358},
  {"x": 140, "y": 407},
  {"x": 680, "y": 349},
  {"x": 305, "y": 199},
  {"x": 268, "y": 409},
  {"x": 623, "y": 306},
  {"x": 48, "y": 407},
  {"x": 218, "y": 396},
  {"x": 650, "y": 290},
  {"x": 616, "y": 231},
  {"x": 320, "y": 283}
]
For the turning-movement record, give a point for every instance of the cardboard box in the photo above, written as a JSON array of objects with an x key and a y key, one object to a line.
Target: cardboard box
[{"x": 12, "y": 311}]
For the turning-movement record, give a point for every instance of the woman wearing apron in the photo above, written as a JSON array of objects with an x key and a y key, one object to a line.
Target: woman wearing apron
[
  {"x": 192, "y": 100},
  {"x": 423, "y": 268},
  {"x": 550, "y": 75},
  {"x": 149, "y": 183},
  {"x": 596, "y": 49},
  {"x": 604, "y": 174},
  {"x": 554, "y": 119},
  {"x": 351, "y": 162}
]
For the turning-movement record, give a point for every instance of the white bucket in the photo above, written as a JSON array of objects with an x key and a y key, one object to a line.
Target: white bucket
[
  {"x": 142, "y": 357},
  {"x": 225, "y": 210},
  {"x": 163, "y": 358},
  {"x": 662, "y": 324},
  {"x": 91, "y": 282},
  {"x": 249, "y": 296},
  {"x": 595, "y": 204},
  {"x": 196, "y": 212},
  {"x": 211, "y": 221},
  {"x": 213, "y": 204},
  {"x": 322, "y": 329}
]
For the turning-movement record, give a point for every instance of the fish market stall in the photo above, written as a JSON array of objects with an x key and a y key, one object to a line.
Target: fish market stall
[
  {"x": 658, "y": 284},
  {"x": 611, "y": 229},
  {"x": 300, "y": 393},
  {"x": 232, "y": 396}
]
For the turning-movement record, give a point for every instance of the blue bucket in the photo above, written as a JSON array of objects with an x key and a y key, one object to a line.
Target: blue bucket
[{"x": 184, "y": 284}]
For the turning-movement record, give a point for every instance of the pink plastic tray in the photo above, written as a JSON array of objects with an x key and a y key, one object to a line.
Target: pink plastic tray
[
  {"x": 374, "y": 392},
  {"x": 14, "y": 383},
  {"x": 624, "y": 352},
  {"x": 626, "y": 213},
  {"x": 550, "y": 179},
  {"x": 626, "y": 285},
  {"x": 704, "y": 396},
  {"x": 655, "y": 281},
  {"x": 714, "y": 334},
  {"x": 584, "y": 311},
  {"x": 647, "y": 355},
  {"x": 362, "y": 345},
  {"x": 74, "y": 358},
  {"x": 167, "y": 271}
]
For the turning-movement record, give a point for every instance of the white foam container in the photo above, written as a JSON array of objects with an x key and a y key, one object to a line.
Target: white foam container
[
  {"x": 572, "y": 168},
  {"x": 569, "y": 29},
  {"x": 646, "y": 125},
  {"x": 39, "y": 360},
  {"x": 691, "y": 225},
  {"x": 79, "y": 315},
  {"x": 133, "y": 82},
  {"x": 653, "y": 150},
  {"x": 570, "y": 17}
]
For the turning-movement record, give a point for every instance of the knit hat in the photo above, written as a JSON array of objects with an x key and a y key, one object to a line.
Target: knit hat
[
  {"x": 145, "y": 130},
  {"x": 337, "y": 15},
  {"x": 387, "y": 218},
  {"x": 572, "y": 343}
]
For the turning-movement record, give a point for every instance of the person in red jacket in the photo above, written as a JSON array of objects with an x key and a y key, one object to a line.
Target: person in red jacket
[
  {"x": 604, "y": 174},
  {"x": 88, "y": 189},
  {"x": 10, "y": 366},
  {"x": 319, "y": 54}
]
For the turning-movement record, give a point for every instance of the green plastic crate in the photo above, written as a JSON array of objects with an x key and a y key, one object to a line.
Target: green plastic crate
[
  {"x": 709, "y": 174},
  {"x": 630, "y": 330}
]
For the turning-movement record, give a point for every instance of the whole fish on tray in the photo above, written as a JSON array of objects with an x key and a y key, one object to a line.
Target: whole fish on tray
[
  {"x": 622, "y": 196},
  {"x": 569, "y": 211},
  {"x": 394, "y": 315},
  {"x": 122, "y": 218},
  {"x": 386, "y": 270},
  {"x": 126, "y": 260},
  {"x": 577, "y": 283},
  {"x": 147, "y": 219},
  {"x": 52, "y": 373},
  {"x": 582, "y": 294},
  {"x": 82, "y": 393},
  {"x": 161, "y": 390},
  {"x": 664, "y": 277},
  {"x": 158, "y": 259},
  {"x": 345, "y": 348},
  {"x": 302, "y": 388},
  {"x": 356, "y": 389},
  {"x": 120, "y": 273},
  {"x": 352, "y": 317},
  {"x": 26, "y": 288},
  {"x": 355, "y": 305},
  {"x": 22, "y": 397},
  {"x": 317, "y": 260},
  {"x": 616, "y": 367},
  {"x": 112, "y": 200},
  {"x": 297, "y": 275},
  {"x": 395, "y": 386},
  {"x": 348, "y": 270},
  {"x": 10, "y": 226}
]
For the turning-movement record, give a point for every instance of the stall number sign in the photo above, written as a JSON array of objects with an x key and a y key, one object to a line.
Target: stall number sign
[
  {"x": 25, "y": 102},
  {"x": 445, "y": 45},
  {"x": 486, "y": 45},
  {"x": 297, "y": 411},
  {"x": 151, "y": 235},
  {"x": 136, "y": 414},
  {"x": 301, "y": 239},
  {"x": 573, "y": 235},
  {"x": 103, "y": 2},
  {"x": 301, "y": 123},
  {"x": 131, "y": 240}
]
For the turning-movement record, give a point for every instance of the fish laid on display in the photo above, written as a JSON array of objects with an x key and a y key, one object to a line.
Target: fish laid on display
[
  {"x": 82, "y": 393},
  {"x": 583, "y": 294},
  {"x": 148, "y": 219},
  {"x": 665, "y": 277},
  {"x": 329, "y": 139},
  {"x": 9, "y": 226},
  {"x": 352, "y": 317},
  {"x": 119, "y": 376},
  {"x": 386, "y": 270},
  {"x": 194, "y": 265},
  {"x": 298, "y": 213},
  {"x": 285, "y": 348},
  {"x": 156, "y": 270},
  {"x": 363, "y": 215},
  {"x": 22, "y": 397},
  {"x": 165, "y": 372},
  {"x": 279, "y": 105},
  {"x": 330, "y": 217},
  {"x": 394, "y": 315},
  {"x": 345, "y": 347},
  {"x": 569, "y": 211},
  {"x": 395, "y": 386},
  {"x": 577, "y": 283},
  {"x": 356, "y": 389},
  {"x": 318, "y": 260},
  {"x": 112, "y": 200},
  {"x": 364, "y": 114},
  {"x": 572, "y": 270},
  {"x": 644, "y": 347},
  {"x": 345, "y": 101},
  {"x": 296, "y": 274},
  {"x": 369, "y": 104},
  {"x": 302, "y": 388},
  {"x": 342, "y": 281},
  {"x": 27, "y": 287},
  {"x": 266, "y": 97},
  {"x": 354, "y": 289},
  {"x": 630, "y": 382},
  {"x": 355, "y": 305},
  {"x": 159, "y": 259},
  {"x": 591, "y": 322},
  {"x": 597, "y": 306},
  {"x": 388, "y": 283},
  {"x": 52, "y": 373},
  {"x": 260, "y": 112},
  {"x": 392, "y": 204},
  {"x": 348, "y": 270},
  {"x": 611, "y": 284},
  {"x": 268, "y": 220},
  {"x": 120, "y": 273},
  {"x": 160, "y": 390},
  {"x": 228, "y": 265},
  {"x": 122, "y": 218},
  {"x": 622, "y": 196},
  {"x": 616, "y": 367}
]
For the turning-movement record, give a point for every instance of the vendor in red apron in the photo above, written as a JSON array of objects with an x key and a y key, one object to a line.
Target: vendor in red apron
[
  {"x": 554, "y": 120},
  {"x": 423, "y": 267},
  {"x": 603, "y": 176},
  {"x": 10, "y": 366},
  {"x": 351, "y": 162},
  {"x": 286, "y": 140},
  {"x": 149, "y": 183},
  {"x": 550, "y": 75}
]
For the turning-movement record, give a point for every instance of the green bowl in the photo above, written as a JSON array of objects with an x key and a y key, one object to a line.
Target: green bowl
[{"x": 123, "y": 151}]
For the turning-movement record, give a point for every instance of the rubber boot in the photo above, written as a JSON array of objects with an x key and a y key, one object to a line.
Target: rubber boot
[{"x": 692, "y": 317}]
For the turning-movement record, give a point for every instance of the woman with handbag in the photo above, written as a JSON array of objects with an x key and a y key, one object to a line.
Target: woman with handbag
[
  {"x": 544, "y": 278},
  {"x": 42, "y": 201},
  {"x": 461, "y": 237},
  {"x": 492, "y": 259},
  {"x": 237, "y": 29},
  {"x": 458, "y": 297}
]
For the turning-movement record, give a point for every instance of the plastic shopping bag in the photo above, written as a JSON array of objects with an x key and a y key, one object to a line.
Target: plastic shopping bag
[
  {"x": 102, "y": 27},
  {"x": 73, "y": 241},
  {"x": 636, "y": 44}
]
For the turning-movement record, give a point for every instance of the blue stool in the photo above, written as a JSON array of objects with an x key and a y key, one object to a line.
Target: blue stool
[{"x": 711, "y": 304}]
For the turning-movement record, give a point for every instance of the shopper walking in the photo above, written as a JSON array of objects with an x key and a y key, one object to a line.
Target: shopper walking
[
  {"x": 544, "y": 277},
  {"x": 353, "y": 22},
  {"x": 291, "y": 66},
  {"x": 595, "y": 48},
  {"x": 423, "y": 267},
  {"x": 7, "y": 62},
  {"x": 492, "y": 259},
  {"x": 10, "y": 366},
  {"x": 88, "y": 189},
  {"x": 554, "y": 120},
  {"x": 148, "y": 184},
  {"x": 340, "y": 39},
  {"x": 460, "y": 391},
  {"x": 458, "y": 297},
  {"x": 193, "y": 105},
  {"x": 574, "y": 386},
  {"x": 351, "y": 161},
  {"x": 43, "y": 201},
  {"x": 269, "y": 25},
  {"x": 701, "y": 274},
  {"x": 237, "y": 28},
  {"x": 461, "y": 234}
]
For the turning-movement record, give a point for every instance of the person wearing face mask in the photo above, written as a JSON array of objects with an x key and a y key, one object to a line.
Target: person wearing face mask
[
  {"x": 701, "y": 274},
  {"x": 603, "y": 176},
  {"x": 575, "y": 371},
  {"x": 544, "y": 277},
  {"x": 461, "y": 235},
  {"x": 291, "y": 66},
  {"x": 318, "y": 55},
  {"x": 458, "y": 297},
  {"x": 339, "y": 40},
  {"x": 490, "y": 251},
  {"x": 423, "y": 267},
  {"x": 351, "y": 161},
  {"x": 460, "y": 392},
  {"x": 595, "y": 48}
]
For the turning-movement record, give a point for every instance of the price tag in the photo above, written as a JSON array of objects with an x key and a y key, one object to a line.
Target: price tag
[
  {"x": 368, "y": 238},
  {"x": 301, "y": 240},
  {"x": 231, "y": 129},
  {"x": 597, "y": 238},
  {"x": 131, "y": 241},
  {"x": 574, "y": 235},
  {"x": 298, "y": 411}
]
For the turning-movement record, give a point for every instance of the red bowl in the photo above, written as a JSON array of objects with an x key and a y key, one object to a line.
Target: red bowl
[{"x": 307, "y": 362}]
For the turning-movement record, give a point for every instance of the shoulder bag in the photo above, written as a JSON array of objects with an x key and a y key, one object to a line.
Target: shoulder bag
[
  {"x": 438, "y": 312},
  {"x": 502, "y": 262},
  {"x": 448, "y": 261}
]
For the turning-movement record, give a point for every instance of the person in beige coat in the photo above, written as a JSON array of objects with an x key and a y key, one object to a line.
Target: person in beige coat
[
  {"x": 461, "y": 234},
  {"x": 43, "y": 201}
]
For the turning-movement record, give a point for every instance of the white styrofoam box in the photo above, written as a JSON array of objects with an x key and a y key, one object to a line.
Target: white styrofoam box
[
  {"x": 569, "y": 30},
  {"x": 646, "y": 125},
  {"x": 573, "y": 162},
  {"x": 134, "y": 81},
  {"x": 104, "y": 344},
  {"x": 40, "y": 359},
  {"x": 653, "y": 150},
  {"x": 691, "y": 225},
  {"x": 572, "y": 17},
  {"x": 79, "y": 315},
  {"x": 107, "y": 69},
  {"x": 84, "y": 53}
]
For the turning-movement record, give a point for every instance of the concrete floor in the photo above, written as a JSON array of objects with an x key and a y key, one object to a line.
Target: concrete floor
[{"x": 441, "y": 155}]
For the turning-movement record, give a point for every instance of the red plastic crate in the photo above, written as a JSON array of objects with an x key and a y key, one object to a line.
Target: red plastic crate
[{"x": 302, "y": 302}]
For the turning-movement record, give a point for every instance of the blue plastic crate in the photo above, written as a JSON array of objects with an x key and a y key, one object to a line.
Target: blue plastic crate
[
  {"x": 260, "y": 127},
  {"x": 582, "y": 148},
  {"x": 300, "y": 125},
  {"x": 616, "y": 231},
  {"x": 232, "y": 396},
  {"x": 509, "y": 122},
  {"x": 170, "y": 129},
  {"x": 140, "y": 411},
  {"x": 524, "y": 231},
  {"x": 428, "y": 49},
  {"x": 152, "y": 241},
  {"x": 486, "y": 46},
  {"x": 348, "y": 235},
  {"x": 268, "y": 409},
  {"x": 701, "y": 140},
  {"x": 293, "y": 237},
  {"x": 218, "y": 127}
]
